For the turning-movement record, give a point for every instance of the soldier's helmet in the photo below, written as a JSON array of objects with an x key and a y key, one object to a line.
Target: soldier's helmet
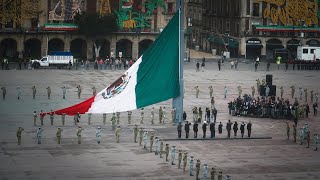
[
  {"x": 99, "y": 127},
  {"x": 39, "y": 128}
]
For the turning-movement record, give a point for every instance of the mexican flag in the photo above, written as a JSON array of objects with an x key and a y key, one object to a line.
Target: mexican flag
[{"x": 153, "y": 78}]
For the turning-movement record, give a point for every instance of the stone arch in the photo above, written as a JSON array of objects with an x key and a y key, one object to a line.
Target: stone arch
[
  {"x": 78, "y": 48},
  {"x": 272, "y": 45},
  {"x": 55, "y": 44},
  {"x": 313, "y": 43},
  {"x": 253, "y": 48},
  {"x": 32, "y": 48},
  {"x": 292, "y": 46},
  {"x": 104, "y": 50},
  {"x": 8, "y": 48},
  {"x": 144, "y": 45},
  {"x": 124, "y": 46}
]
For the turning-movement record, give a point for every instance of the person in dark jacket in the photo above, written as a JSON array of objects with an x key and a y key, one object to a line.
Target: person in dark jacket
[
  {"x": 184, "y": 116},
  {"x": 214, "y": 114},
  {"x": 179, "y": 128},
  {"x": 207, "y": 115},
  {"x": 307, "y": 110},
  {"x": 249, "y": 126},
  {"x": 204, "y": 129},
  {"x": 235, "y": 128},
  {"x": 187, "y": 129},
  {"x": 228, "y": 127},
  {"x": 195, "y": 130},
  {"x": 213, "y": 129},
  {"x": 242, "y": 129},
  {"x": 220, "y": 128}
]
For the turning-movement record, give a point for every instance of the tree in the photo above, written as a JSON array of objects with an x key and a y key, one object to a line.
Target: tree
[{"x": 92, "y": 24}]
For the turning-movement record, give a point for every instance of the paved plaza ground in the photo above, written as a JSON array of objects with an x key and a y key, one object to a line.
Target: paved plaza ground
[{"x": 255, "y": 159}]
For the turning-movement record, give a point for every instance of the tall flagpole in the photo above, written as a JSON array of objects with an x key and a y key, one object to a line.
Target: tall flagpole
[{"x": 178, "y": 101}]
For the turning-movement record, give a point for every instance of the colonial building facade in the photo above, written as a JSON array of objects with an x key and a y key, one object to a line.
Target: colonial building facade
[
  {"x": 251, "y": 28},
  {"x": 34, "y": 28}
]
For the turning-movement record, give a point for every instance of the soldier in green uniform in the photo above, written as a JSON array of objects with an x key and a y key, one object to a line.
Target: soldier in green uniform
[
  {"x": 142, "y": 115},
  {"x": 89, "y": 118},
  {"x": 19, "y": 131},
  {"x": 308, "y": 139},
  {"x": 104, "y": 118},
  {"x": 58, "y": 134},
  {"x": 167, "y": 152},
  {"x": 179, "y": 158},
  {"x": 210, "y": 91},
  {"x": 152, "y": 115},
  {"x": 118, "y": 118},
  {"x": 63, "y": 118},
  {"x": 294, "y": 133},
  {"x": 220, "y": 175},
  {"x": 117, "y": 132},
  {"x": 213, "y": 173},
  {"x": 306, "y": 95},
  {"x": 113, "y": 121},
  {"x": 161, "y": 148},
  {"x": 258, "y": 85},
  {"x": 173, "y": 114},
  {"x": 35, "y": 116},
  {"x": 198, "y": 166},
  {"x": 160, "y": 115},
  {"x": 19, "y": 92},
  {"x": 49, "y": 92},
  {"x": 64, "y": 91},
  {"x": 34, "y": 91},
  {"x": 293, "y": 90},
  {"x": 185, "y": 160},
  {"x": 151, "y": 140},
  {"x": 288, "y": 130},
  {"x": 135, "y": 131},
  {"x": 140, "y": 136},
  {"x": 164, "y": 113},
  {"x": 239, "y": 91},
  {"x": 78, "y": 133},
  {"x": 281, "y": 92},
  {"x": 315, "y": 142},
  {"x": 197, "y": 91},
  {"x": 253, "y": 91},
  {"x": 4, "y": 92},
  {"x": 51, "y": 117},
  {"x": 311, "y": 96},
  {"x": 129, "y": 117},
  {"x": 94, "y": 91},
  {"x": 301, "y": 136},
  {"x": 79, "y": 90}
]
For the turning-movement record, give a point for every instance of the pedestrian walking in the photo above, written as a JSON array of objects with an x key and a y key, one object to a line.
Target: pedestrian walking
[
  {"x": 179, "y": 158},
  {"x": 19, "y": 133},
  {"x": 214, "y": 114},
  {"x": 79, "y": 90},
  {"x": 117, "y": 133},
  {"x": 35, "y": 116},
  {"x": 185, "y": 160},
  {"x": 228, "y": 127},
  {"x": 191, "y": 162},
  {"x": 98, "y": 134},
  {"x": 288, "y": 130},
  {"x": 19, "y": 92},
  {"x": 64, "y": 91},
  {"x": 167, "y": 152},
  {"x": 225, "y": 92},
  {"x": 220, "y": 128},
  {"x": 204, "y": 129},
  {"x": 197, "y": 91},
  {"x": 213, "y": 129},
  {"x": 179, "y": 129},
  {"x": 135, "y": 133},
  {"x": 316, "y": 141},
  {"x": 4, "y": 92},
  {"x": 210, "y": 91},
  {"x": 308, "y": 139},
  {"x": 249, "y": 127},
  {"x": 59, "y": 135},
  {"x": 48, "y": 92},
  {"x": 78, "y": 133},
  {"x": 39, "y": 134},
  {"x": 34, "y": 92},
  {"x": 235, "y": 128},
  {"x": 151, "y": 140},
  {"x": 205, "y": 171}
]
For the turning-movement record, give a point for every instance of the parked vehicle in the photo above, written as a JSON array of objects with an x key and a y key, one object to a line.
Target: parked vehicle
[
  {"x": 58, "y": 59},
  {"x": 308, "y": 53}
]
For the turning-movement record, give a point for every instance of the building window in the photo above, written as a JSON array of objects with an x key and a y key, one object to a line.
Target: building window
[
  {"x": 170, "y": 7},
  {"x": 228, "y": 26},
  {"x": 248, "y": 7},
  {"x": 9, "y": 24},
  {"x": 256, "y": 9},
  {"x": 305, "y": 51}
]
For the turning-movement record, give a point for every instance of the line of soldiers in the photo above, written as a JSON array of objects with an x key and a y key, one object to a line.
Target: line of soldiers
[
  {"x": 159, "y": 149},
  {"x": 304, "y": 135},
  {"x": 212, "y": 128},
  {"x": 225, "y": 91},
  {"x": 49, "y": 92},
  {"x": 79, "y": 130}
]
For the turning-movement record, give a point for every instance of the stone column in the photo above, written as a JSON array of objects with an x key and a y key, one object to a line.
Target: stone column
[
  {"x": 113, "y": 46},
  {"x": 242, "y": 47},
  {"x": 90, "y": 49},
  {"x": 264, "y": 48},
  {"x": 20, "y": 46},
  {"x": 135, "y": 48}
]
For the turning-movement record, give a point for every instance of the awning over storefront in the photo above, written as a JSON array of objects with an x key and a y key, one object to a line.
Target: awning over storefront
[
  {"x": 224, "y": 40},
  {"x": 286, "y": 28}
]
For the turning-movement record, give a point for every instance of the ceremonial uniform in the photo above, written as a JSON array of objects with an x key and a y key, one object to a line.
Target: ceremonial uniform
[
  {"x": 117, "y": 133},
  {"x": 34, "y": 91},
  {"x": 49, "y": 92},
  {"x": 58, "y": 134},
  {"x": 78, "y": 133},
  {"x": 19, "y": 132}
]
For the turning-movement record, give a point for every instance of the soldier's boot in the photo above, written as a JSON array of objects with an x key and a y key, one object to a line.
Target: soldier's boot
[
  {"x": 79, "y": 140},
  {"x": 34, "y": 123},
  {"x": 19, "y": 140},
  {"x": 51, "y": 122},
  {"x": 179, "y": 165},
  {"x": 167, "y": 157}
]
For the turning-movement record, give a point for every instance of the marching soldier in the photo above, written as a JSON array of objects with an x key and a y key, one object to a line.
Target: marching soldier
[
  {"x": 167, "y": 152},
  {"x": 49, "y": 92},
  {"x": 63, "y": 118},
  {"x": 179, "y": 159},
  {"x": 78, "y": 132},
  {"x": 94, "y": 91},
  {"x": 151, "y": 140},
  {"x": 34, "y": 91},
  {"x": 288, "y": 129},
  {"x": 19, "y": 92},
  {"x": 205, "y": 171},
  {"x": 42, "y": 115},
  {"x": 253, "y": 91},
  {"x": 79, "y": 90},
  {"x": 19, "y": 132},
  {"x": 152, "y": 115},
  {"x": 117, "y": 132},
  {"x": 198, "y": 164},
  {"x": 316, "y": 141},
  {"x": 225, "y": 92},
  {"x": 104, "y": 118},
  {"x": 89, "y": 118},
  {"x": 185, "y": 160},
  {"x": 281, "y": 92},
  {"x": 306, "y": 95},
  {"x": 113, "y": 121},
  {"x": 98, "y": 135},
  {"x": 58, "y": 134},
  {"x": 293, "y": 89},
  {"x": 39, "y": 135},
  {"x": 142, "y": 115},
  {"x": 64, "y": 91},
  {"x": 173, "y": 114},
  {"x": 160, "y": 115},
  {"x": 51, "y": 117},
  {"x": 220, "y": 175},
  {"x": 164, "y": 113},
  {"x": 135, "y": 131},
  {"x": 145, "y": 138},
  {"x": 197, "y": 91},
  {"x": 294, "y": 133},
  {"x": 161, "y": 148},
  {"x": 301, "y": 136},
  {"x": 35, "y": 116},
  {"x": 191, "y": 162},
  {"x": 210, "y": 91},
  {"x": 173, "y": 154},
  {"x": 195, "y": 114},
  {"x": 308, "y": 139},
  {"x": 118, "y": 118},
  {"x": 129, "y": 117},
  {"x": 212, "y": 102},
  {"x": 258, "y": 85},
  {"x": 140, "y": 136},
  {"x": 311, "y": 96},
  {"x": 301, "y": 92},
  {"x": 239, "y": 91},
  {"x": 157, "y": 144},
  {"x": 4, "y": 92},
  {"x": 213, "y": 173}
]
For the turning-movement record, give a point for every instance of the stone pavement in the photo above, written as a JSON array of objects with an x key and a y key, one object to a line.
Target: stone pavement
[{"x": 274, "y": 158}]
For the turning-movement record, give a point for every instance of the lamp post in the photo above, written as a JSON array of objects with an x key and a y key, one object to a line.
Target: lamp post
[
  {"x": 189, "y": 36},
  {"x": 302, "y": 24}
]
